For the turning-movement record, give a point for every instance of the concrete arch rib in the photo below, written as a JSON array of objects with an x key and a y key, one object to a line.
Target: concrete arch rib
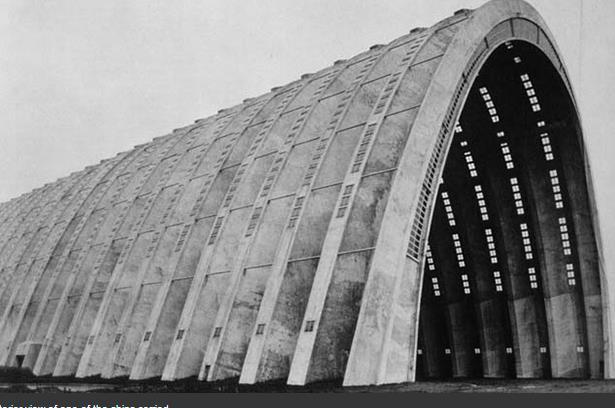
[{"x": 390, "y": 305}]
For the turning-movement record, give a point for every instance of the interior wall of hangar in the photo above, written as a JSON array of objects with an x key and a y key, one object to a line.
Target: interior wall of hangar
[{"x": 305, "y": 235}]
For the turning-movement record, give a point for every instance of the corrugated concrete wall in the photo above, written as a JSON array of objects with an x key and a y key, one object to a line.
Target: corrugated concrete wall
[{"x": 280, "y": 238}]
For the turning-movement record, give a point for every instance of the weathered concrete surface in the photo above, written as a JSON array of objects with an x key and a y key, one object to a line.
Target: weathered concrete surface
[{"x": 285, "y": 238}]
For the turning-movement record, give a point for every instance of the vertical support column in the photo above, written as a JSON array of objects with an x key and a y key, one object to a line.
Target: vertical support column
[
  {"x": 11, "y": 326},
  {"x": 300, "y": 370},
  {"x": 101, "y": 171},
  {"x": 211, "y": 369},
  {"x": 182, "y": 342},
  {"x": 32, "y": 348},
  {"x": 139, "y": 366},
  {"x": 111, "y": 357},
  {"x": 62, "y": 349},
  {"x": 98, "y": 343}
]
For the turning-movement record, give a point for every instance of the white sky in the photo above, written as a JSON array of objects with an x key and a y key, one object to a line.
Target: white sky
[{"x": 83, "y": 80}]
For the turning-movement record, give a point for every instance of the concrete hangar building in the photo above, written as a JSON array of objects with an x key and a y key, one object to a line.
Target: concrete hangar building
[{"x": 421, "y": 210}]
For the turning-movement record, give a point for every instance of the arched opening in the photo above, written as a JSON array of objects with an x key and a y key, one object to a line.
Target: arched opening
[{"x": 511, "y": 284}]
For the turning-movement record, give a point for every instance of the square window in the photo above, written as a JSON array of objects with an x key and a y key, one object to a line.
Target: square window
[
  {"x": 532, "y": 278},
  {"x": 147, "y": 336},
  {"x": 447, "y": 351},
  {"x": 260, "y": 329},
  {"x": 180, "y": 334},
  {"x": 309, "y": 325},
  {"x": 517, "y": 60},
  {"x": 419, "y": 352},
  {"x": 580, "y": 349},
  {"x": 534, "y": 285},
  {"x": 549, "y": 156},
  {"x": 541, "y": 123},
  {"x": 485, "y": 217},
  {"x": 467, "y": 291},
  {"x": 436, "y": 292},
  {"x": 543, "y": 350},
  {"x": 500, "y": 134},
  {"x": 509, "y": 350},
  {"x": 217, "y": 331},
  {"x": 476, "y": 350}
]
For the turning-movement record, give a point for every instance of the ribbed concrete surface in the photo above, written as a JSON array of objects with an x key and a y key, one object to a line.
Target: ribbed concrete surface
[{"x": 281, "y": 238}]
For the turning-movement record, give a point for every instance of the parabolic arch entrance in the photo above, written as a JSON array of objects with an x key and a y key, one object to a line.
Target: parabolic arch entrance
[
  {"x": 511, "y": 283},
  {"x": 421, "y": 210}
]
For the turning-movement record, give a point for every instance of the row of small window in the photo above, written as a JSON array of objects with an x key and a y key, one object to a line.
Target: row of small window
[
  {"x": 527, "y": 244},
  {"x": 482, "y": 205},
  {"x": 429, "y": 256},
  {"x": 514, "y": 184},
  {"x": 531, "y": 93},
  {"x": 457, "y": 243},
  {"x": 564, "y": 235},
  {"x": 531, "y": 271},
  {"x": 546, "y": 146},
  {"x": 497, "y": 279},
  {"x": 465, "y": 282},
  {"x": 489, "y": 104},
  {"x": 470, "y": 163},
  {"x": 436, "y": 286},
  {"x": 448, "y": 209},
  {"x": 557, "y": 194},
  {"x": 477, "y": 351},
  {"x": 570, "y": 274},
  {"x": 507, "y": 156},
  {"x": 491, "y": 245},
  {"x": 509, "y": 350}
]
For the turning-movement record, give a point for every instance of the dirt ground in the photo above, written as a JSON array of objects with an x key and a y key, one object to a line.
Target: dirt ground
[{"x": 191, "y": 385}]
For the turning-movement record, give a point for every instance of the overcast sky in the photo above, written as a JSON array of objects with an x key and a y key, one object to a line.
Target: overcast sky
[{"x": 83, "y": 80}]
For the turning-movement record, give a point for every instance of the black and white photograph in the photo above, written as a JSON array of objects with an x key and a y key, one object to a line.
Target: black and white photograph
[{"x": 307, "y": 196}]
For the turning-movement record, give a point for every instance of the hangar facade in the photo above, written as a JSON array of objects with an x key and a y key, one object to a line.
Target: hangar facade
[{"x": 421, "y": 210}]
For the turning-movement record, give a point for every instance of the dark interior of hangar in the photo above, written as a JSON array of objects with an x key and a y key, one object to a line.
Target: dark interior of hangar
[{"x": 511, "y": 286}]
